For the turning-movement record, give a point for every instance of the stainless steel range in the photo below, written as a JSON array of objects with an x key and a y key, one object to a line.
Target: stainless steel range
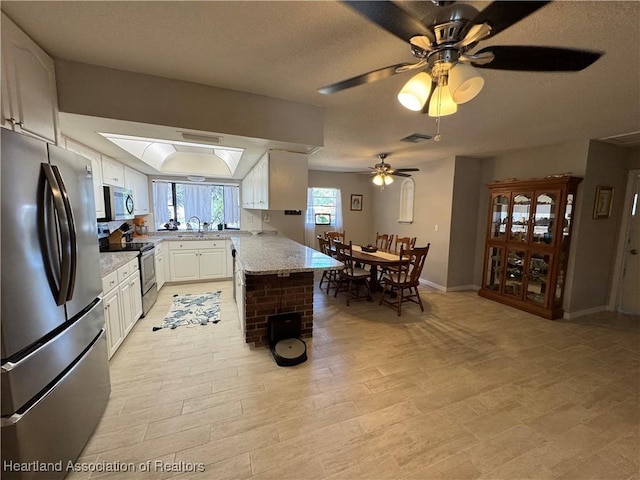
[{"x": 146, "y": 261}]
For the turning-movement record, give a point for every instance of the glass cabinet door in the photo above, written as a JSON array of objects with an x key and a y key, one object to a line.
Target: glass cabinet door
[
  {"x": 499, "y": 217},
  {"x": 544, "y": 218},
  {"x": 494, "y": 268},
  {"x": 538, "y": 278},
  {"x": 515, "y": 273},
  {"x": 520, "y": 217}
]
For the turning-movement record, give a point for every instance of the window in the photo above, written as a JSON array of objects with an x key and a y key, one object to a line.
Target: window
[
  {"x": 212, "y": 204},
  {"x": 322, "y": 201}
]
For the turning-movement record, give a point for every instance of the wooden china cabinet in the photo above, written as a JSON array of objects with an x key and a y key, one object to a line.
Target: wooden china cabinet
[{"x": 527, "y": 243}]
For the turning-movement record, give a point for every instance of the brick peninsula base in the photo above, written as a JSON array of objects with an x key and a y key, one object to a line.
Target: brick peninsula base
[{"x": 267, "y": 295}]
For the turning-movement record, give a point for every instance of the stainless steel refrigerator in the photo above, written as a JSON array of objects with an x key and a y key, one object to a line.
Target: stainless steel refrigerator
[{"x": 55, "y": 376}]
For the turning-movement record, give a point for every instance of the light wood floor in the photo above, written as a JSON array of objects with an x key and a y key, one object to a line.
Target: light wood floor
[{"x": 468, "y": 389}]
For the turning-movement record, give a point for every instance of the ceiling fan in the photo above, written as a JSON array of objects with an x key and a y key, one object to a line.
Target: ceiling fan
[
  {"x": 443, "y": 41},
  {"x": 382, "y": 173}
]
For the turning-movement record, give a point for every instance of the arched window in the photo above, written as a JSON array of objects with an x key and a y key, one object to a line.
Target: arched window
[{"x": 406, "y": 201}]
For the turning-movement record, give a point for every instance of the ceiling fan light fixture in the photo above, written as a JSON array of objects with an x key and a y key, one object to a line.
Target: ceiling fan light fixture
[
  {"x": 415, "y": 92},
  {"x": 464, "y": 83},
  {"x": 442, "y": 103},
  {"x": 378, "y": 180}
]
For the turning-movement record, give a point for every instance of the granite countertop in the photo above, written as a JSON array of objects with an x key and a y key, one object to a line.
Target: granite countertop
[
  {"x": 270, "y": 254},
  {"x": 111, "y": 261}
]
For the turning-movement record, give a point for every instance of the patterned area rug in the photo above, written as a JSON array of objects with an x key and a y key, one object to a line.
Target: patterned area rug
[{"x": 193, "y": 309}]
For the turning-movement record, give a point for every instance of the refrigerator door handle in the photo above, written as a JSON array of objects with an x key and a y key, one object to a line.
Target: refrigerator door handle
[
  {"x": 71, "y": 225},
  {"x": 63, "y": 228}
]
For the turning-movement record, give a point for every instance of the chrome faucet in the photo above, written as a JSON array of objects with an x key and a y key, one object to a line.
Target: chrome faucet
[{"x": 199, "y": 223}]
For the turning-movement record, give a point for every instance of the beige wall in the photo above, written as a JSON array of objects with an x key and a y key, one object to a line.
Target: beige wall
[
  {"x": 108, "y": 93},
  {"x": 594, "y": 242},
  {"x": 432, "y": 206}
]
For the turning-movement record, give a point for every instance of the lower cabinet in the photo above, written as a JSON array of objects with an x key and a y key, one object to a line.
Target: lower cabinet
[
  {"x": 161, "y": 260},
  {"x": 122, "y": 303},
  {"x": 198, "y": 260}
]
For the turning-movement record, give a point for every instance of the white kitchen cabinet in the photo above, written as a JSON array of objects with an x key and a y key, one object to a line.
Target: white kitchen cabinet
[
  {"x": 96, "y": 172},
  {"x": 29, "y": 98},
  {"x": 278, "y": 181},
  {"x": 137, "y": 182},
  {"x": 113, "y": 320},
  {"x": 198, "y": 260},
  {"x": 122, "y": 303},
  {"x": 160, "y": 260},
  {"x": 112, "y": 172}
]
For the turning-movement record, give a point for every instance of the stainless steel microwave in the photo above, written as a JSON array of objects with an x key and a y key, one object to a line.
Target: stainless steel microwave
[{"x": 118, "y": 204}]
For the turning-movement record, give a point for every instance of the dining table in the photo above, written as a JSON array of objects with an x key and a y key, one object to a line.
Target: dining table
[{"x": 377, "y": 259}]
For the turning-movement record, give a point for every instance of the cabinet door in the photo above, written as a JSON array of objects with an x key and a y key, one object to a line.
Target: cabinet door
[
  {"x": 520, "y": 217},
  {"x": 98, "y": 193},
  {"x": 159, "y": 269},
  {"x": 31, "y": 84},
  {"x": 184, "y": 265},
  {"x": 137, "y": 183},
  {"x": 136, "y": 297},
  {"x": 113, "y": 320},
  {"x": 213, "y": 263},
  {"x": 494, "y": 269},
  {"x": 538, "y": 285},
  {"x": 514, "y": 276},
  {"x": 112, "y": 172},
  {"x": 126, "y": 306},
  {"x": 499, "y": 217},
  {"x": 545, "y": 217}
]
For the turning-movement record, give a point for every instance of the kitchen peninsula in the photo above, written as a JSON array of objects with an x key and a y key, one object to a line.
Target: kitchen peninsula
[{"x": 275, "y": 275}]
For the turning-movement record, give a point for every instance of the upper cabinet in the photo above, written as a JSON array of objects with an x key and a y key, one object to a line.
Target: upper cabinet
[
  {"x": 278, "y": 181},
  {"x": 112, "y": 172},
  {"x": 96, "y": 172},
  {"x": 29, "y": 100},
  {"x": 138, "y": 184}
]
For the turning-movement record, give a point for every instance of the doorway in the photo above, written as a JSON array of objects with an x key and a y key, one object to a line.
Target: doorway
[{"x": 627, "y": 292}]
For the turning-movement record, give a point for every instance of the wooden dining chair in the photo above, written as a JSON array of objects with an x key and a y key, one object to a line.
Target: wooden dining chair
[
  {"x": 403, "y": 243},
  {"x": 332, "y": 236},
  {"x": 331, "y": 276},
  {"x": 404, "y": 282},
  {"x": 384, "y": 241},
  {"x": 352, "y": 275}
]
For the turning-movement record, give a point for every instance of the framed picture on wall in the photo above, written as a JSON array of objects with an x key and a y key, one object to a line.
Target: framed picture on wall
[
  {"x": 356, "y": 202},
  {"x": 603, "y": 202}
]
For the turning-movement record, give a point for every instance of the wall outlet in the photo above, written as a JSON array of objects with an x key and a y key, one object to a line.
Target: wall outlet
[
  {"x": 266, "y": 218},
  {"x": 436, "y": 228}
]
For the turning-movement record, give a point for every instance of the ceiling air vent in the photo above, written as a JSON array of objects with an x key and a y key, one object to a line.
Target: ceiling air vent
[
  {"x": 416, "y": 137},
  {"x": 194, "y": 137}
]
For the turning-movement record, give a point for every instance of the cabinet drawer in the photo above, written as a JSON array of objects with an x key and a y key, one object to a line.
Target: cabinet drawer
[
  {"x": 124, "y": 272},
  {"x": 197, "y": 244},
  {"x": 110, "y": 282},
  {"x": 133, "y": 266}
]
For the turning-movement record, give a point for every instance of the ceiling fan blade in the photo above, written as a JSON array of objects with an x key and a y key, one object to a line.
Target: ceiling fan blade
[
  {"x": 501, "y": 15},
  {"x": 407, "y": 169},
  {"x": 538, "y": 59},
  {"x": 362, "y": 79},
  {"x": 400, "y": 174},
  {"x": 392, "y": 18}
]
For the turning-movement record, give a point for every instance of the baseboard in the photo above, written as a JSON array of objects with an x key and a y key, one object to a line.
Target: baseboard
[
  {"x": 461, "y": 288},
  {"x": 582, "y": 313},
  {"x": 432, "y": 285}
]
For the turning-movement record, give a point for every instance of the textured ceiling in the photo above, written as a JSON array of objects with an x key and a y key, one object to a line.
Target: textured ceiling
[{"x": 288, "y": 49}]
